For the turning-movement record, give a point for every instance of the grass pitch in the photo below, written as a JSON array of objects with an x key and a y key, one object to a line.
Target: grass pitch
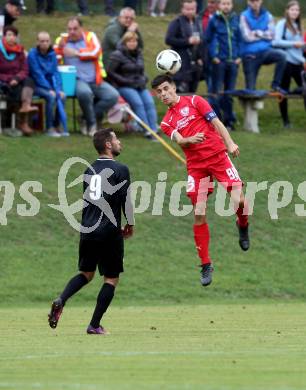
[{"x": 229, "y": 347}]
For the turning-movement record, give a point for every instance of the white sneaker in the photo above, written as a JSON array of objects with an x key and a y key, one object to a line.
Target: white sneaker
[
  {"x": 153, "y": 14},
  {"x": 92, "y": 130},
  {"x": 162, "y": 14},
  {"x": 53, "y": 133}
]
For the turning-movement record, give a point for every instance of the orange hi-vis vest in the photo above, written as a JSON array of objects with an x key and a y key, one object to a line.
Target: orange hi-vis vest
[{"x": 92, "y": 51}]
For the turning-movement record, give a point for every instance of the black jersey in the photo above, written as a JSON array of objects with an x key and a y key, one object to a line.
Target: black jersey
[{"x": 106, "y": 195}]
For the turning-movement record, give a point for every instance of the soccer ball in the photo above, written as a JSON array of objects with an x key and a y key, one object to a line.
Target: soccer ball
[{"x": 168, "y": 61}]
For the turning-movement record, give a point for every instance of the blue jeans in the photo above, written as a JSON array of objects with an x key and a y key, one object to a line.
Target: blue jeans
[
  {"x": 51, "y": 118},
  {"x": 95, "y": 100},
  {"x": 224, "y": 75},
  {"x": 253, "y": 62},
  {"x": 142, "y": 104}
]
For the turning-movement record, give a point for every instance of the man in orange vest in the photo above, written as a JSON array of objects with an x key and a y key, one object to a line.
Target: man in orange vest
[{"x": 82, "y": 49}]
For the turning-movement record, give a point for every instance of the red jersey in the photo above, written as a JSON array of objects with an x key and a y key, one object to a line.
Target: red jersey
[{"x": 191, "y": 115}]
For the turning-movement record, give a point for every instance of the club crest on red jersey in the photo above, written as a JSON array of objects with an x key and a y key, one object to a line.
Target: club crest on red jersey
[{"x": 185, "y": 111}]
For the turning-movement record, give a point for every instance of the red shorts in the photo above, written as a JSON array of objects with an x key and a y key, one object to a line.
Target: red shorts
[{"x": 200, "y": 180}]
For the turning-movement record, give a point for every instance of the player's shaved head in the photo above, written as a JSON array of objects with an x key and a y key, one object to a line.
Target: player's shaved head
[{"x": 163, "y": 78}]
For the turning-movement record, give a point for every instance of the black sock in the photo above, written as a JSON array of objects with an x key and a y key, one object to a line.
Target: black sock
[
  {"x": 74, "y": 285},
  {"x": 104, "y": 299}
]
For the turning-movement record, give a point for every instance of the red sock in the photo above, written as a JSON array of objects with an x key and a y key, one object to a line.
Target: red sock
[
  {"x": 201, "y": 238},
  {"x": 242, "y": 215}
]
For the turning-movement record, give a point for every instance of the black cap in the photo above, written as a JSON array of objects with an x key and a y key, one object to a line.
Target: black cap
[{"x": 17, "y": 3}]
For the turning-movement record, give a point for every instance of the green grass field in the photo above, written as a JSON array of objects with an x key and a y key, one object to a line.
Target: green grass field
[
  {"x": 246, "y": 331},
  {"x": 229, "y": 347}
]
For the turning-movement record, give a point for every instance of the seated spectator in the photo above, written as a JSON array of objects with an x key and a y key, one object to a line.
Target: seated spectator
[
  {"x": 184, "y": 36},
  {"x": 40, "y": 6},
  {"x": 14, "y": 77},
  {"x": 206, "y": 15},
  {"x": 115, "y": 31},
  {"x": 161, "y": 4},
  {"x": 43, "y": 70},
  {"x": 224, "y": 39},
  {"x": 126, "y": 73},
  {"x": 257, "y": 28},
  {"x": 288, "y": 36},
  {"x": 82, "y": 49}
]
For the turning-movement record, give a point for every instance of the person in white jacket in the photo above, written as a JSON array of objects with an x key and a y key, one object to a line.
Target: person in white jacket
[{"x": 289, "y": 36}]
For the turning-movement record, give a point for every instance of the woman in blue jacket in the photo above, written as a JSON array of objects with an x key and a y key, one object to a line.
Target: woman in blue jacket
[
  {"x": 43, "y": 70},
  {"x": 288, "y": 36}
]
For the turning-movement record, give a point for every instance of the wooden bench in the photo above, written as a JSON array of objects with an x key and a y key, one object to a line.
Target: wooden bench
[{"x": 252, "y": 104}]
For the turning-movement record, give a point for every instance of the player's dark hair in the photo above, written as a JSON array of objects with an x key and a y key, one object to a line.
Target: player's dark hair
[
  {"x": 162, "y": 78},
  {"x": 101, "y": 137}
]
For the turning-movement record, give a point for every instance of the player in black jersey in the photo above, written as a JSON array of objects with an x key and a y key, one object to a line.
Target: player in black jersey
[{"x": 106, "y": 195}]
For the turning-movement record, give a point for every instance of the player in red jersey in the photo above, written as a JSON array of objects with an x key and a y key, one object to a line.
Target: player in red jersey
[{"x": 191, "y": 122}]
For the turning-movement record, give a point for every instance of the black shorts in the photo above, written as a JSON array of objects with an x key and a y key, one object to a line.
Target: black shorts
[{"x": 107, "y": 254}]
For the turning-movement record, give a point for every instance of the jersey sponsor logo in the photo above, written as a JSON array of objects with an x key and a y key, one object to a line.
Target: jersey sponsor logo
[
  {"x": 185, "y": 111},
  {"x": 190, "y": 184},
  {"x": 184, "y": 122}
]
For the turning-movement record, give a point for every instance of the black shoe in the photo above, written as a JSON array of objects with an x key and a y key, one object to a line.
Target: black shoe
[
  {"x": 55, "y": 313},
  {"x": 206, "y": 274},
  {"x": 244, "y": 240}
]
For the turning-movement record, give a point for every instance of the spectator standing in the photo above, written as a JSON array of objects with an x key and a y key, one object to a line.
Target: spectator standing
[
  {"x": 258, "y": 29},
  {"x": 83, "y": 7},
  {"x": 109, "y": 8},
  {"x": 184, "y": 36},
  {"x": 199, "y": 6},
  {"x": 161, "y": 4},
  {"x": 10, "y": 13},
  {"x": 14, "y": 77},
  {"x": 82, "y": 49},
  {"x": 126, "y": 21},
  {"x": 43, "y": 70},
  {"x": 40, "y": 6},
  {"x": 206, "y": 15},
  {"x": 224, "y": 39},
  {"x": 131, "y": 3},
  {"x": 126, "y": 73},
  {"x": 289, "y": 37}
]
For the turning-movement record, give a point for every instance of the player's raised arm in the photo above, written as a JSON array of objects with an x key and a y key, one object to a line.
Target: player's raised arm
[{"x": 222, "y": 130}]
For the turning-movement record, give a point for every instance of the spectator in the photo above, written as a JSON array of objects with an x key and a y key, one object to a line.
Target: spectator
[
  {"x": 199, "y": 6},
  {"x": 161, "y": 7},
  {"x": 14, "y": 80},
  {"x": 224, "y": 39},
  {"x": 131, "y": 3},
  {"x": 257, "y": 28},
  {"x": 126, "y": 73},
  {"x": 116, "y": 29},
  {"x": 82, "y": 49},
  {"x": 83, "y": 7},
  {"x": 184, "y": 36},
  {"x": 43, "y": 70},
  {"x": 40, "y": 6},
  {"x": 288, "y": 36},
  {"x": 10, "y": 13},
  {"x": 206, "y": 15},
  {"x": 109, "y": 8}
]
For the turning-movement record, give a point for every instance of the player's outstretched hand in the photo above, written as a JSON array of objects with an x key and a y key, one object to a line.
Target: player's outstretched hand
[
  {"x": 233, "y": 149},
  {"x": 127, "y": 231}
]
